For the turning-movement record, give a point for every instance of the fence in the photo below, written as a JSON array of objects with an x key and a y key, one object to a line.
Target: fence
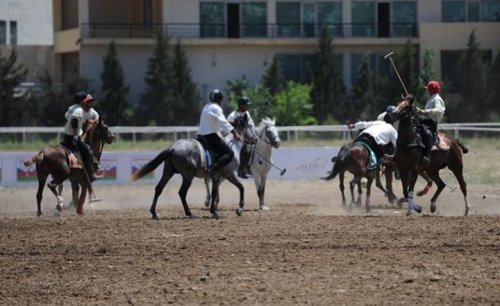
[{"x": 289, "y": 132}]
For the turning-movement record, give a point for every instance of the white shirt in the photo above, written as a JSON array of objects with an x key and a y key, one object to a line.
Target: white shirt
[
  {"x": 212, "y": 120},
  {"x": 76, "y": 111},
  {"x": 382, "y": 132},
  {"x": 236, "y": 114},
  {"x": 435, "y": 108}
]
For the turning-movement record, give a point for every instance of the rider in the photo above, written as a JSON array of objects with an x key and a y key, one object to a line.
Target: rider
[
  {"x": 213, "y": 122},
  {"x": 379, "y": 135},
  {"x": 246, "y": 150},
  {"x": 430, "y": 116},
  {"x": 77, "y": 115}
]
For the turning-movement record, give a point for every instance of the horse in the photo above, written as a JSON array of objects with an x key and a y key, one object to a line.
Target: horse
[
  {"x": 266, "y": 138},
  {"x": 61, "y": 164},
  {"x": 408, "y": 157},
  {"x": 187, "y": 157},
  {"x": 354, "y": 157}
]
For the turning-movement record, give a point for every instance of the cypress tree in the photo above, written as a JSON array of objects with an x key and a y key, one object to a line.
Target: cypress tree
[
  {"x": 186, "y": 96},
  {"x": 12, "y": 109},
  {"x": 113, "y": 104},
  {"x": 327, "y": 84},
  {"x": 472, "y": 72},
  {"x": 493, "y": 90},
  {"x": 427, "y": 74},
  {"x": 362, "y": 97},
  {"x": 273, "y": 78},
  {"x": 156, "y": 102}
]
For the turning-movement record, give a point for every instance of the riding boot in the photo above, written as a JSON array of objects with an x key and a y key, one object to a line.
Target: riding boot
[
  {"x": 243, "y": 163},
  {"x": 426, "y": 154}
]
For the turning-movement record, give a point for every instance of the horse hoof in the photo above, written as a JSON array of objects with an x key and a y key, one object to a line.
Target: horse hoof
[
  {"x": 263, "y": 207},
  {"x": 38, "y": 214},
  {"x": 408, "y": 214},
  {"x": 400, "y": 202},
  {"x": 59, "y": 208},
  {"x": 418, "y": 208},
  {"x": 215, "y": 216},
  {"x": 433, "y": 207},
  {"x": 79, "y": 212},
  {"x": 156, "y": 217},
  {"x": 239, "y": 211}
]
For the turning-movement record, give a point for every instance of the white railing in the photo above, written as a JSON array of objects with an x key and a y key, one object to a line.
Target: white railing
[{"x": 292, "y": 132}]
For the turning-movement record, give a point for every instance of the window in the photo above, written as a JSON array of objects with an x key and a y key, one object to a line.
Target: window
[
  {"x": 13, "y": 33},
  {"x": 309, "y": 19},
  {"x": 212, "y": 19},
  {"x": 3, "y": 32},
  {"x": 404, "y": 18},
  {"x": 295, "y": 67},
  {"x": 490, "y": 10},
  {"x": 288, "y": 19},
  {"x": 254, "y": 19},
  {"x": 363, "y": 19},
  {"x": 470, "y": 10},
  {"x": 330, "y": 14},
  {"x": 450, "y": 65}
]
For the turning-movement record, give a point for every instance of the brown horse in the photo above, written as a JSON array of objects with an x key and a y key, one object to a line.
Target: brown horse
[
  {"x": 354, "y": 158},
  {"x": 61, "y": 165},
  {"x": 408, "y": 156}
]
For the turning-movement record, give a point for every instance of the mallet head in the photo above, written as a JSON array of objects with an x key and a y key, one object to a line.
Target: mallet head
[{"x": 389, "y": 54}]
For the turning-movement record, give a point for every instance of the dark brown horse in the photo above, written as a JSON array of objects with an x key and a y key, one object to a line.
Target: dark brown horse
[
  {"x": 409, "y": 156},
  {"x": 354, "y": 158},
  {"x": 61, "y": 165}
]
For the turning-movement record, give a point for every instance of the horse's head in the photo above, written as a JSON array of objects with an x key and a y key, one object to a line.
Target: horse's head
[
  {"x": 404, "y": 109},
  {"x": 103, "y": 133},
  {"x": 269, "y": 130}
]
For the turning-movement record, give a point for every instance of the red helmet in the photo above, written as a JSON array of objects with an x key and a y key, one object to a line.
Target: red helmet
[
  {"x": 433, "y": 87},
  {"x": 87, "y": 100}
]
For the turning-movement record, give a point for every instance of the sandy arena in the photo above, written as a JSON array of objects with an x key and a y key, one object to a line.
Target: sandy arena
[{"x": 305, "y": 250}]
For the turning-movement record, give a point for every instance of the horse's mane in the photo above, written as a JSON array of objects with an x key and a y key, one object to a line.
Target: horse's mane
[{"x": 265, "y": 122}]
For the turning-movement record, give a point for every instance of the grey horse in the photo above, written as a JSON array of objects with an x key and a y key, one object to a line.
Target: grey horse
[{"x": 187, "y": 157}]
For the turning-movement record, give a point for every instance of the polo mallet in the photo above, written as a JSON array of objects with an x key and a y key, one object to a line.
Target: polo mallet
[
  {"x": 282, "y": 171},
  {"x": 389, "y": 55}
]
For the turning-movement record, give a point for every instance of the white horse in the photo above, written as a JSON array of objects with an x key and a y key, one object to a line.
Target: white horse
[{"x": 266, "y": 138}]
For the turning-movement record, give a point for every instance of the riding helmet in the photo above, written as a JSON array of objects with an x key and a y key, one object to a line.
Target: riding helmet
[
  {"x": 244, "y": 101},
  {"x": 433, "y": 87},
  {"x": 216, "y": 95},
  {"x": 79, "y": 97}
]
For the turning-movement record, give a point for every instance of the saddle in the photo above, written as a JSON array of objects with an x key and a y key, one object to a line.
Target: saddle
[
  {"x": 373, "y": 162},
  {"x": 440, "y": 143},
  {"x": 73, "y": 160},
  {"x": 207, "y": 156}
]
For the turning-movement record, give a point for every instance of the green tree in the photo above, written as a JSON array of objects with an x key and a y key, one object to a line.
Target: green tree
[
  {"x": 473, "y": 73},
  {"x": 187, "y": 106},
  {"x": 263, "y": 104},
  {"x": 427, "y": 73},
  {"x": 327, "y": 83},
  {"x": 362, "y": 94},
  {"x": 294, "y": 105},
  {"x": 113, "y": 104},
  {"x": 155, "y": 107},
  {"x": 273, "y": 78},
  {"x": 407, "y": 60},
  {"x": 493, "y": 90},
  {"x": 13, "y": 108},
  {"x": 53, "y": 103},
  {"x": 235, "y": 89}
]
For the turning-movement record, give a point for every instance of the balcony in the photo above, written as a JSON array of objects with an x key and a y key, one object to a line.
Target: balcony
[{"x": 247, "y": 31}]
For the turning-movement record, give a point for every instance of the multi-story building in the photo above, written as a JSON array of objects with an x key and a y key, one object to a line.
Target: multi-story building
[
  {"x": 27, "y": 26},
  {"x": 230, "y": 39}
]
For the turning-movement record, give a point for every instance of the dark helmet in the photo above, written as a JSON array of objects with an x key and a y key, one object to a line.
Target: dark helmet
[
  {"x": 79, "y": 97},
  {"x": 391, "y": 109},
  {"x": 216, "y": 95},
  {"x": 244, "y": 101}
]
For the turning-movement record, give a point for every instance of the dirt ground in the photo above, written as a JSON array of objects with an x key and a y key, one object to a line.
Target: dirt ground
[{"x": 305, "y": 250}]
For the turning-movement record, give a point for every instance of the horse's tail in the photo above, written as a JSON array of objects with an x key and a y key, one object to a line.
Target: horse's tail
[
  {"x": 463, "y": 147},
  {"x": 153, "y": 164},
  {"x": 338, "y": 161},
  {"x": 35, "y": 159}
]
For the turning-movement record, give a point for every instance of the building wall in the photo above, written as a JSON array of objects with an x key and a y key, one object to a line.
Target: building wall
[{"x": 34, "y": 20}]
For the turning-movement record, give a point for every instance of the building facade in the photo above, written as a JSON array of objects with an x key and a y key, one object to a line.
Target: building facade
[
  {"x": 232, "y": 39},
  {"x": 27, "y": 26}
]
